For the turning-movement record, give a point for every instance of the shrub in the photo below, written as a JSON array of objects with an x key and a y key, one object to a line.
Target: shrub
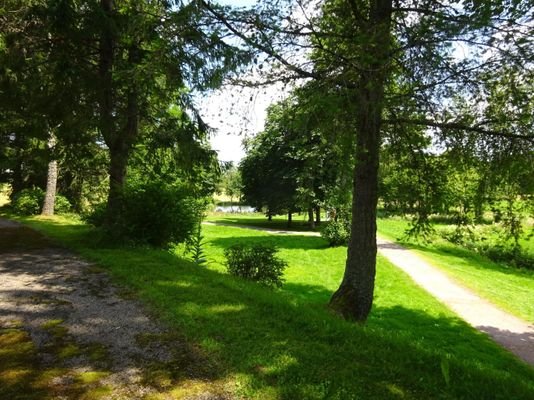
[
  {"x": 96, "y": 216},
  {"x": 154, "y": 213},
  {"x": 336, "y": 233},
  {"x": 62, "y": 205},
  {"x": 28, "y": 201},
  {"x": 256, "y": 263}
]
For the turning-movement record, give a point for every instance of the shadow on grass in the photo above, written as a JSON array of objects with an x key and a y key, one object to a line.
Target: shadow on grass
[
  {"x": 281, "y": 348},
  {"x": 298, "y": 349},
  {"x": 279, "y": 241},
  {"x": 264, "y": 223}
]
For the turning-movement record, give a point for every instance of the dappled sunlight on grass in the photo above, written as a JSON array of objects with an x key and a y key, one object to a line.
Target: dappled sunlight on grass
[{"x": 285, "y": 344}]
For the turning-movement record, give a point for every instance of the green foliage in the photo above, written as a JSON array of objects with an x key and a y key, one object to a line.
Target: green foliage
[
  {"x": 231, "y": 184},
  {"x": 153, "y": 213},
  {"x": 62, "y": 205},
  {"x": 195, "y": 246},
  {"x": 30, "y": 202},
  {"x": 492, "y": 242},
  {"x": 241, "y": 326},
  {"x": 336, "y": 233},
  {"x": 301, "y": 160},
  {"x": 256, "y": 262}
]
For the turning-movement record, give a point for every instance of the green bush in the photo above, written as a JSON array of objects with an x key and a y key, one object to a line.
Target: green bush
[
  {"x": 256, "y": 263},
  {"x": 30, "y": 202},
  {"x": 336, "y": 233},
  {"x": 154, "y": 213},
  {"x": 62, "y": 205},
  {"x": 95, "y": 216}
]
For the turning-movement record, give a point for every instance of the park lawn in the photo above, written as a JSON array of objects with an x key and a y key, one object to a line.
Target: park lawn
[
  {"x": 285, "y": 344},
  {"x": 299, "y": 223},
  {"x": 508, "y": 287}
]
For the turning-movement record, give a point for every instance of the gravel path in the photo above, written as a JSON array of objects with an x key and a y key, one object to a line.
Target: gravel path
[
  {"x": 509, "y": 331},
  {"x": 67, "y": 303}
]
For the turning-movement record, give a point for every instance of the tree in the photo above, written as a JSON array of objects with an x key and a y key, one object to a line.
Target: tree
[
  {"x": 51, "y": 181},
  {"x": 114, "y": 69},
  {"x": 299, "y": 147},
  {"x": 149, "y": 53},
  {"x": 231, "y": 183},
  {"x": 395, "y": 63},
  {"x": 264, "y": 174}
]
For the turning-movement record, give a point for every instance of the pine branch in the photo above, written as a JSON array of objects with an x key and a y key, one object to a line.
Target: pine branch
[{"x": 460, "y": 127}]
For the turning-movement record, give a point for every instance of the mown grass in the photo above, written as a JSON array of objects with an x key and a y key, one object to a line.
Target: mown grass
[
  {"x": 508, "y": 287},
  {"x": 285, "y": 344},
  {"x": 299, "y": 223}
]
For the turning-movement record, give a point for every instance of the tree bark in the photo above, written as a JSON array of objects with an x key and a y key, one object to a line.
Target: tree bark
[
  {"x": 289, "y": 218},
  {"x": 354, "y": 298},
  {"x": 118, "y": 140},
  {"x": 117, "y": 165},
  {"x": 17, "y": 182},
  {"x": 311, "y": 221},
  {"x": 317, "y": 215},
  {"x": 120, "y": 153},
  {"x": 51, "y": 181}
]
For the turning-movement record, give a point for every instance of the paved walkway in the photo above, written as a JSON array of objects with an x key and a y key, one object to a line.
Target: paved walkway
[{"x": 511, "y": 332}]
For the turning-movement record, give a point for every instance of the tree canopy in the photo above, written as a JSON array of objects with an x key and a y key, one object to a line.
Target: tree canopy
[{"x": 400, "y": 66}]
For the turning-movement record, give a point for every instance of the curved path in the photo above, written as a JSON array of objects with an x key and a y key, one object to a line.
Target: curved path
[{"x": 509, "y": 331}]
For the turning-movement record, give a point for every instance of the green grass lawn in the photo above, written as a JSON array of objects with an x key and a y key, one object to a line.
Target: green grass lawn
[
  {"x": 508, "y": 287},
  {"x": 285, "y": 344},
  {"x": 299, "y": 223}
]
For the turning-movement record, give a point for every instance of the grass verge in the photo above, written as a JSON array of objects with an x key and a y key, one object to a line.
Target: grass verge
[{"x": 285, "y": 344}]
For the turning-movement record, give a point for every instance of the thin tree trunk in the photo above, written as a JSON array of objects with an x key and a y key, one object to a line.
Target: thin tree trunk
[
  {"x": 354, "y": 298},
  {"x": 311, "y": 221},
  {"x": 119, "y": 155},
  {"x": 17, "y": 183},
  {"x": 117, "y": 164},
  {"x": 317, "y": 215},
  {"x": 289, "y": 218},
  {"x": 51, "y": 181}
]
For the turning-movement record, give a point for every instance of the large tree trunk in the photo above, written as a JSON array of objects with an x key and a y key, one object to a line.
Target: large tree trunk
[
  {"x": 51, "y": 182},
  {"x": 354, "y": 298},
  {"x": 119, "y": 141}
]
